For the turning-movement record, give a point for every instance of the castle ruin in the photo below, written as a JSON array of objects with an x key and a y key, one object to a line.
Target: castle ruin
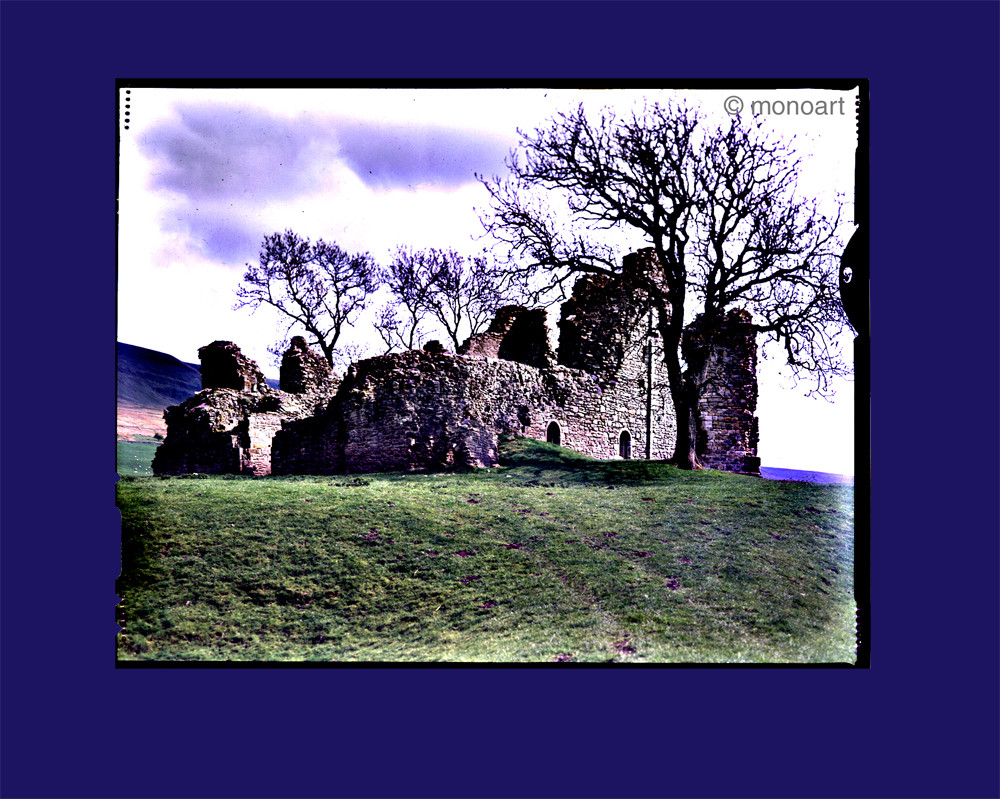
[{"x": 604, "y": 393}]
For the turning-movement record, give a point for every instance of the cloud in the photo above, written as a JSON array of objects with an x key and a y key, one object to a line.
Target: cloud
[
  {"x": 229, "y": 174},
  {"x": 224, "y": 240},
  {"x": 236, "y": 153},
  {"x": 391, "y": 156},
  {"x": 246, "y": 154}
]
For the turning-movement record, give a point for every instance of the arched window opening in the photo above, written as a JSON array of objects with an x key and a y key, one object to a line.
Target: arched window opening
[
  {"x": 625, "y": 444},
  {"x": 554, "y": 435}
]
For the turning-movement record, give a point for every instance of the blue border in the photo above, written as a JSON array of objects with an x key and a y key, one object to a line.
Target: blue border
[{"x": 921, "y": 722}]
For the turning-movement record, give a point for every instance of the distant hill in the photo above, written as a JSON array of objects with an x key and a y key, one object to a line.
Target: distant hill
[
  {"x": 773, "y": 473},
  {"x": 151, "y": 379}
]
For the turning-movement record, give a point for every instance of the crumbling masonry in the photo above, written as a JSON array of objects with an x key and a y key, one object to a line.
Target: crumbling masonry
[
  {"x": 727, "y": 427},
  {"x": 604, "y": 394},
  {"x": 228, "y": 426}
]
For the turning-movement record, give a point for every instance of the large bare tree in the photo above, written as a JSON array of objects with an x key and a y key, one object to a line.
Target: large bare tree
[
  {"x": 319, "y": 288},
  {"x": 719, "y": 207}
]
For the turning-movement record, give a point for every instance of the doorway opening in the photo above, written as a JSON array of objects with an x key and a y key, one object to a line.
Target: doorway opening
[{"x": 625, "y": 445}]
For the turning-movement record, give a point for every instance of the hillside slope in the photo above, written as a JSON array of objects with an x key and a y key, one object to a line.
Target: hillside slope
[
  {"x": 151, "y": 379},
  {"x": 551, "y": 557}
]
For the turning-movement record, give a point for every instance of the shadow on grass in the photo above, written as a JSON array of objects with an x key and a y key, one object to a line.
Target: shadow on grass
[
  {"x": 536, "y": 463},
  {"x": 523, "y": 461}
]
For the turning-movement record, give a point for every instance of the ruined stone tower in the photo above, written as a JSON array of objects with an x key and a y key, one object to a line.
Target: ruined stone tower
[
  {"x": 224, "y": 366},
  {"x": 304, "y": 371},
  {"x": 727, "y": 434},
  {"x": 609, "y": 328},
  {"x": 515, "y": 334},
  {"x": 228, "y": 426},
  {"x": 606, "y": 321}
]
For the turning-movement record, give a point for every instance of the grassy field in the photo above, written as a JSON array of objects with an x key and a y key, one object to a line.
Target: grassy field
[
  {"x": 550, "y": 557},
  {"x": 136, "y": 457}
]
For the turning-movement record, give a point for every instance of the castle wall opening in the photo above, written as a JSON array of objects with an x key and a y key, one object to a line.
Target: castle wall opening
[
  {"x": 553, "y": 434},
  {"x": 625, "y": 445}
]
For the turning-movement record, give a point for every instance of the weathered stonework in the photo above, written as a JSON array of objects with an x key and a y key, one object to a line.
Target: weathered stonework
[
  {"x": 416, "y": 410},
  {"x": 516, "y": 334},
  {"x": 228, "y": 430},
  {"x": 605, "y": 395},
  {"x": 224, "y": 366},
  {"x": 605, "y": 327},
  {"x": 304, "y": 371},
  {"x": 608, "y": 329},
  {"x": 727, "y": 427}
]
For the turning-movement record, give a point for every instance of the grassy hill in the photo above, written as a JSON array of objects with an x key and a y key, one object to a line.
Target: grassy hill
[
  {"x": 552, "y": 557},
  {"x": 151, "y": 379}
]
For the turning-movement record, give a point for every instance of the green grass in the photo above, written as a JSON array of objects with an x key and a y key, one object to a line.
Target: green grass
[
  {"x": 552, "y": 556},
  {"x": 136, "y": 457}
]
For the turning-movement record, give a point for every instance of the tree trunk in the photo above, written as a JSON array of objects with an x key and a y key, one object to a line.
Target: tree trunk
[
  {"x": 685, "y": 400},
  {"x": 327, "y": 350},
  {"x": 686, "y": 407},
  {"x": 692, "y": 381}
]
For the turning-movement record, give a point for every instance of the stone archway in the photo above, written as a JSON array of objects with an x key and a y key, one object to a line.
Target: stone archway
[
  {"x": 625, "y": 445},
  {"x": 553, "y": 434}
]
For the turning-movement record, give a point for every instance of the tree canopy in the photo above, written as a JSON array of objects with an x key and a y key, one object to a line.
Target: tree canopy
[
  {"x": 441, "y": 290},
  {"x": 317, "y": 286}
]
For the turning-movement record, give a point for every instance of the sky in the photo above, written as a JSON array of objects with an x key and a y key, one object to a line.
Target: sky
[{"x": 206, "y": 174}]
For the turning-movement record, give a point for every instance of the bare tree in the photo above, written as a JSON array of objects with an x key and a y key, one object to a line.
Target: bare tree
[
  {"x": 765, "y": 249},
  {"x": 402, "y": 321},
  {"x": 442, "y": 290},
  {"x": 348, "y": 354},
  {"x": 467, "y": 292},
  {"x": 717, "y": 205},
  {"x": 317, "y": 286}
]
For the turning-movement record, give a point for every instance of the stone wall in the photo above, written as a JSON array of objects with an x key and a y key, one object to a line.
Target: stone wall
[
  {"x": 227, "y": 430},
  {"x": 527, "y": 341},
  {"x": 305, "y": 371},
  {"x": 606, "y": 325},
  {"x": 609, "y": 329},
  {"x": 417, "y": 410},
  {"x": 727, "y": 427},
  {"x": 224, "y": 366},
  {"x": 516, "y": 334}
]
